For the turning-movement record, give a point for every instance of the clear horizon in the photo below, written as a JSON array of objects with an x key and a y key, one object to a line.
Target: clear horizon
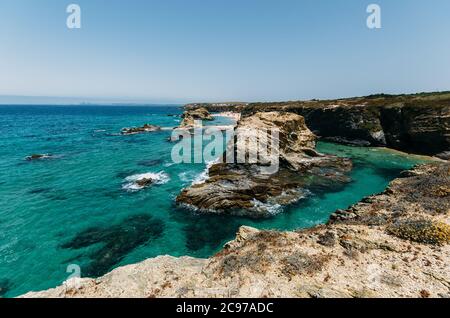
[{"x": 179, "y": 52}]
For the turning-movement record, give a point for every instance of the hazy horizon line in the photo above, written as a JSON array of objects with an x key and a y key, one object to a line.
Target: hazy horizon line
[{"x": 80, "y": 101}]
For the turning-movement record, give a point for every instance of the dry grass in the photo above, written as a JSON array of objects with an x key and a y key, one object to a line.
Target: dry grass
[{"x": 421, "y": 231}]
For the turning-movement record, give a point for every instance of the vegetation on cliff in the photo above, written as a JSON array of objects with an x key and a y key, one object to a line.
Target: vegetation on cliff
[{"x": 417, "y": 123}]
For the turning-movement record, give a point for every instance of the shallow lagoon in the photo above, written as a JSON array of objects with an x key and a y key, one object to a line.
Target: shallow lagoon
[{"x": 73, "y": 209}]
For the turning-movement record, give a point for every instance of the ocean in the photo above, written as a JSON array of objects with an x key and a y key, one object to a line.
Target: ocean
[{"x": 79, "y": 208}]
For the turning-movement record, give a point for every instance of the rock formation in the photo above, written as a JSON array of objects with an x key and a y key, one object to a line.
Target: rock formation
[
  {"x": 418, "y": 123},
  {"x": 38, "y": 157},
  {"x": 247, "y": 189},
  {"x": 395, "y": 244},
  {"x": 139, "y": 130},
  {"x": 191, "y": 115}
]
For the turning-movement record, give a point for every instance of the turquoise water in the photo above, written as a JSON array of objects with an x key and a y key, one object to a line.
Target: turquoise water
[{"x": 73, "y": 209}]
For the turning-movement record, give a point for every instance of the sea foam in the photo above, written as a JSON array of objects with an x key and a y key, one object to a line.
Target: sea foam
[{"x": 158, "y": 178}]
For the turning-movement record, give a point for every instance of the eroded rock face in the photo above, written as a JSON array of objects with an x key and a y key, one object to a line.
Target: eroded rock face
[
  {"x": 139, "y": 130},
  {"x": 191, "y": 115},
  {"x": 248, "y": 189},
  {"x": 417, "y": 123}
]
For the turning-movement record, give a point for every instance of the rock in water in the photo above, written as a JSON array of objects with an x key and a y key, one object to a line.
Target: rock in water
[
  {"x": 190, "y": 116},
  {"x": 143, "y": 183},
  {"x": 138, "y": 130},
  {"x": 38, "y": 157},
  {"x": 247, "y": 189}
]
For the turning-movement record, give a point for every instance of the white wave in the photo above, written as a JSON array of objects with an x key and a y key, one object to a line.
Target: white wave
[
  {"x": 158, "y": 178},
  {"x": 287, "y": 197},
  {"x": 187, "y": 176},
  {"x": 272, "y": 209},
  {"x": 202, "y": 177}
]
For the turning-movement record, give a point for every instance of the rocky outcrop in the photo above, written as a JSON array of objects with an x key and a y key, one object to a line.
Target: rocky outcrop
[
  {"x": 395, "y": 244},
  {"x": 141, "y": 181},
  {"x": 38, "y": 157},
  {"x": 248, "y": 187},
  {"x": 191, "y": 115},
  {"x": 139, "y": 130},
  {"x": 444, "y": 155},
  {"x": 417, "y": 123}
]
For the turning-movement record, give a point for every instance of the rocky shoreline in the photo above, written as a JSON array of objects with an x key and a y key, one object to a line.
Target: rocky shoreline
[
  {"x": 394, "y": 244},
  {"x": 189, "y": 117},
  {"x": 249, "y": 188},
  {"x": 417, "y": 123}
]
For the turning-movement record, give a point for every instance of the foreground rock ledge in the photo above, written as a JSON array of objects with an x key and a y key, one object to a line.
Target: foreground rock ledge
[
  {"x": 245, "y": 189},
  {"x": 357, "y": 254}
]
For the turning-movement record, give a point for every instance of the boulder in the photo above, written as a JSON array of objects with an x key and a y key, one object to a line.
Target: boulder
[{"x": 38, "y": 157}]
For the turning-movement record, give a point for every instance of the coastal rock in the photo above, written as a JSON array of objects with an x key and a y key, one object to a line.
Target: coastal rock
[
  {"x": 138, "y": 130},
  {"x": 141, "y": 181},
  {"x": 444, "y": 155},
  {"x": 418, "y": 123},
  {"x": 5, "y": 285},
  {"x": 247, "y": 189},
  {"x": 38, "y": 157},
  {"x": 191, "y": 115},
  {"x": 384, "y": 260}
]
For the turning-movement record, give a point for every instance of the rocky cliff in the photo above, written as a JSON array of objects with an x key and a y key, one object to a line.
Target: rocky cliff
[
  {"x": 259, "y": 188},
  {"x": 395, "y": 244},
  {"x": 191, "y": 115},
  {"x": 417, "y": 123}
]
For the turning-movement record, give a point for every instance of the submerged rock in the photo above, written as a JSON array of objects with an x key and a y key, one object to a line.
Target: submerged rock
[
  {"x": 5, "y": 286},
  {"x": 116, "y": 242},
  {"x": 247, "y": 189},
  {"x": 38, "y": 157},
  {"x": 138, "y": 130},
  {"x": 150, "y": 162}
]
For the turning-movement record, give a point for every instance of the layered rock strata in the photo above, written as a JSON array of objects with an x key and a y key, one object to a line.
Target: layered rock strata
[
  {"x": 191, "y": 116},
  {"x": 418, "y": 123},
  {"x": 282, "y": 173}
]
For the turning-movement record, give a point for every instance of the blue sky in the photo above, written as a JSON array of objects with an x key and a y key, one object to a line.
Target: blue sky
[{"x": 214, "y": 50}]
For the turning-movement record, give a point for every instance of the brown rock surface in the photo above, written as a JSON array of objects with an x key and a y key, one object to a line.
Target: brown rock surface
[
  {"x": 191, "y": 115},
  {"x": 139, "y": 130},
  {"x": 247, "y": 188}
]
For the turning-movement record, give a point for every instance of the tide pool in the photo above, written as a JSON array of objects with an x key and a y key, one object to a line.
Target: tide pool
[{"x": 75, "y": 208}]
